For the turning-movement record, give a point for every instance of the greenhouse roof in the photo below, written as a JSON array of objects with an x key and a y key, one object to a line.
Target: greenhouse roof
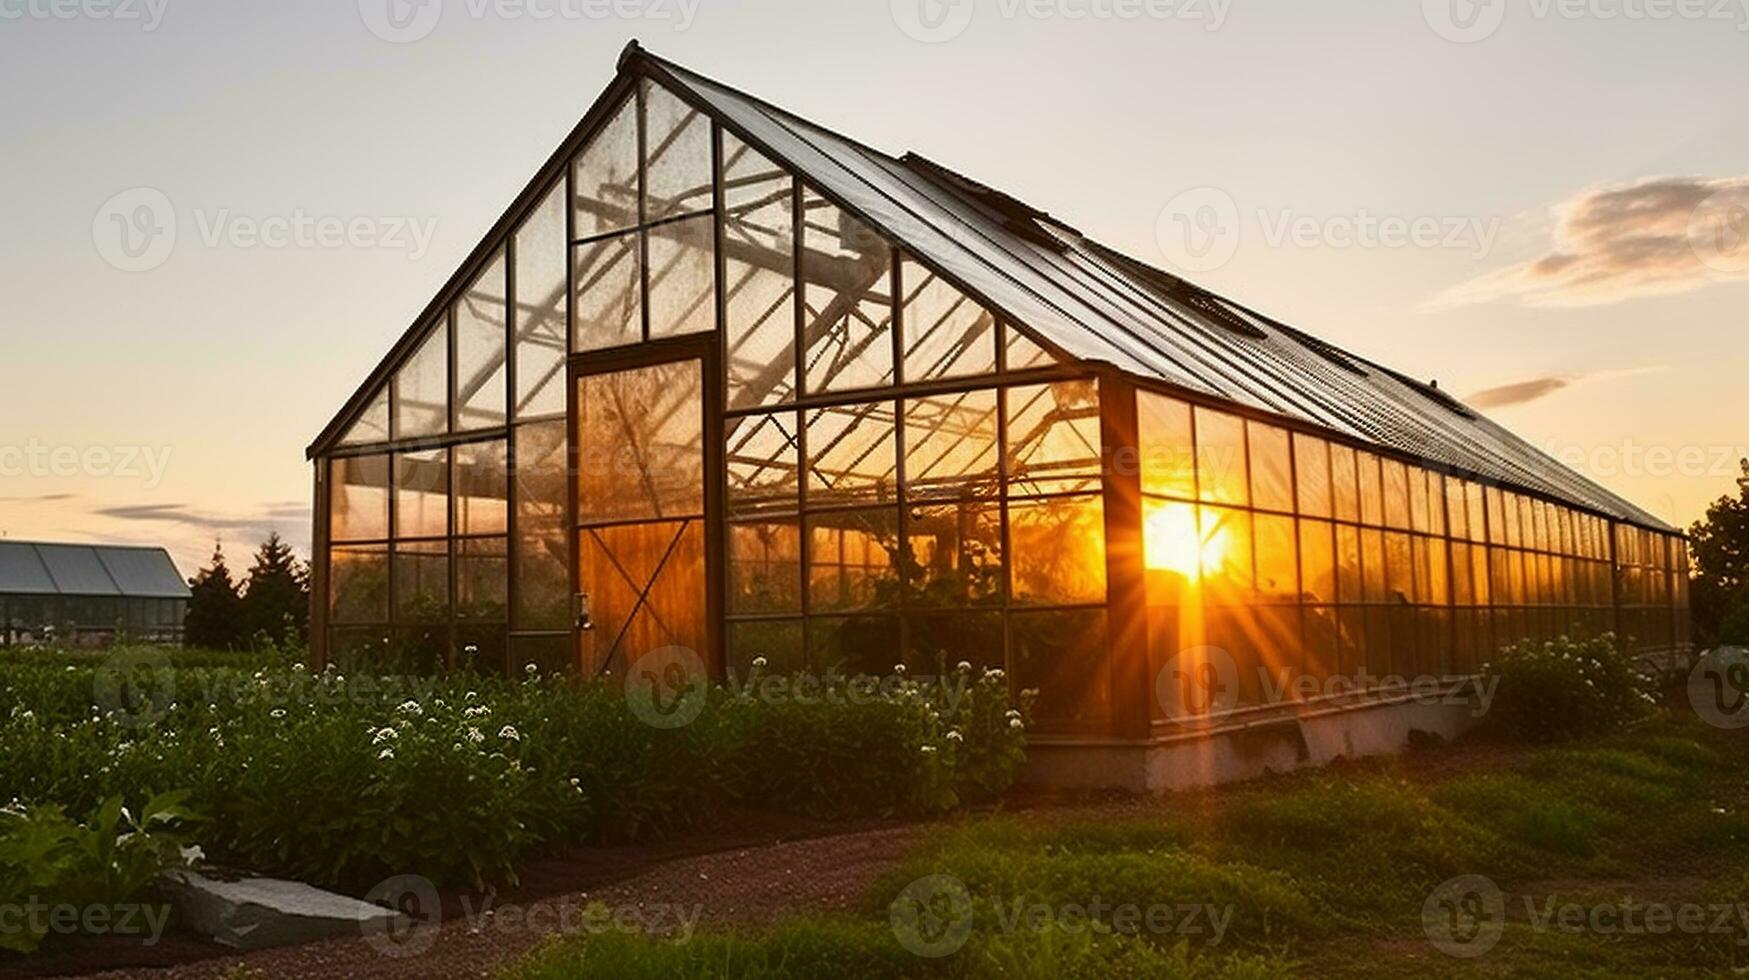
[
  {"x": 1092, "y": 303},
  {"x": 28, "y": 568}
]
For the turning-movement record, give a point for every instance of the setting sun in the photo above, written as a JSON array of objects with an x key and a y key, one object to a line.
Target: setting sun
[{"x": 1173, "y": 542}]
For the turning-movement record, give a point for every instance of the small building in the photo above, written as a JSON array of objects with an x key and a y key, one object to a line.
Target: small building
[
  {"x": 89, "y": 595},
  {"x": 721, "y": 378}
]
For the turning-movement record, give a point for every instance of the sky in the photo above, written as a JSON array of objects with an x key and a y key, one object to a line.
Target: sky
[{"x": 1544, "y": 205}]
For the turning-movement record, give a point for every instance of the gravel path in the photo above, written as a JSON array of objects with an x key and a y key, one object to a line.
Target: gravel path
[{"x": 746, "y": 887}]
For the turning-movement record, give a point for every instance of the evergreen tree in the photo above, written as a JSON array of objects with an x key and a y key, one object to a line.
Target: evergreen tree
[
  {"x": 1721, "y": 566},
  {"x": 276, "y": 596},
  {"x": 215, "y": 610}
]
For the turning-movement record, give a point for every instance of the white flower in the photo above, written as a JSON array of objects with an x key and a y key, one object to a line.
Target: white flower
[
  {"x": 955, "y": 737},
  {"x": 411, "y": 708},
  {"x": 1016, "y": 724},
  {"x": 477, "y": 711},
  {"x": 965, "y": 667},
  {"x": 899, "y": 669},
  {"x": 475, "y": 736},
  {"x": 382, "y": 735},
  {"x": 928, "y": 750},
  {"x": 386, "y": 754},
  {"x": 1013, "y": 713},
  {"x": 193, "y": 855},
  {"x": 994, "y": 673},
  {"x": 276, "y": 713},
  {"x": 530, "y": 669},
  {"x": 759, "y": 663},
  {"x": 509, "y": 733}
]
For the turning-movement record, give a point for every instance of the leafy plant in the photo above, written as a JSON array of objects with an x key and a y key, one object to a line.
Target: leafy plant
[{"x": 1567, "y": 688}]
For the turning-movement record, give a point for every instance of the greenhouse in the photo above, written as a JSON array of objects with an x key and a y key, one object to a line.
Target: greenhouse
[
  {"x": 723, "y": 379},
  {"x": 89, "y": 595}
]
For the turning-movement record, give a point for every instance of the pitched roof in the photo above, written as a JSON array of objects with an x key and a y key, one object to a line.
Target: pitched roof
[
  {"x": 1094, "y": 304},
  {"x": 30, "y": 568}
]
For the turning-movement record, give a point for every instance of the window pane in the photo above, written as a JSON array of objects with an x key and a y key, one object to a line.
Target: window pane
[
  {"x": 950, "y": 446},
  {"x": 1372, "y": 496},
  {"x": 1312, "y": 472},
  {"x": 1059, "y": 550},
  {"x": 480, "y": 369},
  {"x": 852, "y": 645},
  {"x": 852, "y": 560},
  {"x": 609, "y": 302},
  {"x": 1396, "y": 487},
  {"x": 606, "y": 176},
  {"x": 1220, "y": 458},
  {"x": 1455, "y": 508},
  {"x": 422, "y": 388},
  {"x": 1024, "y": 352},
  {"x": 677, "y": 146},
  {"x": 683, "y": 277},
  {"x": 640, "y": 439},
  {"x": 848, "y": 316},
  {"x": 1348, "y": 572},
  {"x": 763, "y": 465},
  {"x": 955, "y": 554},
  {"x": 482, "y": 488},
  {"x": 1277, "y": 559},
  {"x": 759, "y": 263},
  {"x": 1478, "y": 515},
  {"x": 358, "y": 490},
  {"x": 778, "y": 641},
  {"x": 372, "y": 425},
  {"x": 1272, "y": 485},
  {"x": 1172, "y": 548},
  {"x": 1227, "y": 572},
  {"x": 1167, "y": 449},
  {"x": 1400, "y": 569},
  {"x": 422, "y": 582},
  {"x": 358, "y": 589},
  {"x": 1053, "y": 437},
  {"x": 946, "y": 334},
  {"x": 1372, "y": 546},
  {"x": 540, "y": 310},
  {"x": 853, "y": 454},
  {"x": 765, "y": 566},
  {"x": 1420, "y": 504},
  {"x": 482, "y": 580},
  {"x": 422, "y": 494},
  {"x": 543, "y": 584},
  {"x": 1317, "y": 562},
  {"x": 1344, "y": 483},
  {"x": 1062, "y": 655}
]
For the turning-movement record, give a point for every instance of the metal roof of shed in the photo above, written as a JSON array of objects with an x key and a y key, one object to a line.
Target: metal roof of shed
[{"x": 30, "y": 568}]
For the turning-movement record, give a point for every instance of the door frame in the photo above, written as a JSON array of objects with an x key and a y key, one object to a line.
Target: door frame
[{"x": 704, "y": 348}]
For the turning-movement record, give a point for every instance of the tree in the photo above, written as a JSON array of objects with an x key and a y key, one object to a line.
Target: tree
[
  {"x": 276, "y": 596},
  {"x": 215, "y": 610},
  {"x": 1721, "y": 563}
]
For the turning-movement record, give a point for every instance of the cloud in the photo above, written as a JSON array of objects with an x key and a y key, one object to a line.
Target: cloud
[
  {"x": 272, "y": 517},
  {"x": 1652, "y": 237},
  {"x": 1525, "y": 392},
  {"x": 47, "y": 498}
]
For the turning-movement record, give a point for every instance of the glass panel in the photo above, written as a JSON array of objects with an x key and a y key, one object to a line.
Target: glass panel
[
  {"x": 1348, "y": 565},
  {"x": 763, "y": 465},
  {"x": 1372, "y": 497},
  {"x": 1024, "y": 352},
  {"x": 543, "y": 558},
  {"x": 608, "y": 304},
  {"x": 848, "y": 315},
  {"x": 422, "y": 388},
  {"x": 1345, "y": 483},
  {"x": 372, "y": 425},
  {"x": 540, "y": 309},
  {"x": 778, "y": 641},
  {"x": 1172, "y": 548},
  {"x": 1277, "y": 559},
  {"x": 482, "y": 488},
  {"x": 1167, "y": 449},
  {"x": 683, "y": 277},
  {"x": 358, "y": 590},
  {"x": 954, "y": 554},
  {"x": 765, "y": 567},
  {"x": 1312, "y": 474},
  {"x": 1053, "y": 437},
  {"x": 852, "y": 645},
  {"x": 951, "y": 446},
  {"x": 1317, "y": 562},
  {"x": 1220, "y": 458},
  {"x": 422, "y": 582},
  {"x": 640, "y": 438},
  {"x": 550, "y": 656},
  {"x": 852, "y": 560},
  {"x": 422, "y": 494},
  {"x": 759, "y": 263},
  {"x": 1227, "y": 572},
  {"x": 1478, "y": 515},
  {"x": 1372, "y": 546},
  {"x": 937, "y": 642},
  {"x": 1401, "y": 566},
  {"x": 1420, "y": 503},
  {"x": 1062, "y": 655},
  {"x": 606, "y": 176},
  {"x": 1272, "y": 481},
  {"x": 853, "y": 454},
  {"x": 481, "y": 373},
  {"x": 677, "y": 146},
  {"x": 482, "y": 580},
  {"x": 358, "y": 490},
  {"x": 946, "y": 334},
  {"x": 1059, "y": 550},
  {"x": 1396, "y": 488}
]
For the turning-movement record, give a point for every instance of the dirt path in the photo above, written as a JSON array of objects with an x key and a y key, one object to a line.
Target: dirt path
[{"x": 750, "y": 886}]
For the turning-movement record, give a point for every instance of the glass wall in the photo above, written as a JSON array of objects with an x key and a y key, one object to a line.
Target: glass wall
[{"x": 1299, "y": 556}]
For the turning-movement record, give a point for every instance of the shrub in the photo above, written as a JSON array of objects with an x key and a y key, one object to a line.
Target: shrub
[
  {"x": 1566, "y": 689},
  {"x": 49, "y": 859}
]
